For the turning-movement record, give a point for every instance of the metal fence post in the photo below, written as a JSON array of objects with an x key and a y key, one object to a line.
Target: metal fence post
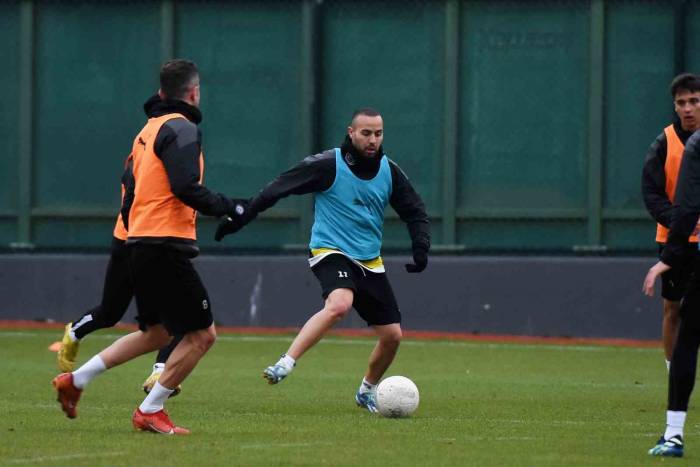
[
  {"x": 450, "y": 132},
  {"x": 596, "y": 123},
  {"x": 25, "y": 117}
]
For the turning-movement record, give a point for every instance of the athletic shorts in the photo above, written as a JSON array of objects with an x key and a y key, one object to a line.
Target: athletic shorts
[
  {"x": 118, "y": 289},
  {"x": 373, "y": 298},
  {"x": 675, "y": 281},
  {"x": 168, "y": 290}
]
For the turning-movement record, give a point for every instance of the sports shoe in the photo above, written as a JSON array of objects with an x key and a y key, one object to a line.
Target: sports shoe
[
  {"x": 151, "y": 381},
  {"x": 68, "y": 394},
  {"x": 672, "y": 447},
  {"x": 157, "y": 422},
  {"x": 367, "y": 400},
  {"x": 68, "y": 352},
  {"x": 275, "y": 373}
]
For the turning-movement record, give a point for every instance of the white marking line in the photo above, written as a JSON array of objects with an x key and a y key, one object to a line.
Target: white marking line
[
  {"x": 284, "y": 445},
  {"x": 405, "y": 342},
  {"x": 64, "y": 457}
]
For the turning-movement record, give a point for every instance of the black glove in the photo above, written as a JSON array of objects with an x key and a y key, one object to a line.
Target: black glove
[
  {"x": 420, "y": 260},
  {"x": 235, "y": 221},
  {"x": 227, "y": 226}
]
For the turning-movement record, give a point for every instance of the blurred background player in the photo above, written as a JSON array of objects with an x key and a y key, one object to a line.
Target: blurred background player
[
  {"x": 159, "y": 210},
  {"x": 352, "y": 186},
  {"x": 661, "y": 166},
  {"x": 675, "y": 255},
  {"x": 116, "y": 296}
]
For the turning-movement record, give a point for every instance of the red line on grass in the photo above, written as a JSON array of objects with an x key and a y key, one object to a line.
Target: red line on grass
[{"x": 420, "y": 335}]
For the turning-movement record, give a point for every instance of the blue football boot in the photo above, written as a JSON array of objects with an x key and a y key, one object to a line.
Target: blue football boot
[
  {"x": 276, "y": 373},
  {"x": 367, "y": 400},
  {"x": 672, "y": 447}
]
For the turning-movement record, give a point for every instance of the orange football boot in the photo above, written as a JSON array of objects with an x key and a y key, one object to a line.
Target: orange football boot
[
  {"x": 68, "y": 394},
  {"x": 157, "y": 422}
]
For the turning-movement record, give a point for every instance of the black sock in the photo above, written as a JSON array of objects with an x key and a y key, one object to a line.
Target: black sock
[{"x": 165, "y": 352}]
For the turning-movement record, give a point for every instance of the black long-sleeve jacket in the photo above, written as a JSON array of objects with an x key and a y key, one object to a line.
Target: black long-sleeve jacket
[
  {"x": 317, "y": 173},
  {"x": 178, "y": 145},
  {"x": 119, "y": 245},
  {"x": 686, "y": 204},
  {"x": 656, "y": 199}
]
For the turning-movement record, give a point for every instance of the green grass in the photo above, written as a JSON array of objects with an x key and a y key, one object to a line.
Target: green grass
[{"x": 481, "y": 405}]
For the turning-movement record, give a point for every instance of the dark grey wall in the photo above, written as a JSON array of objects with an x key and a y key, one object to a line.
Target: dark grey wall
[{"x": 541, "y": 296}]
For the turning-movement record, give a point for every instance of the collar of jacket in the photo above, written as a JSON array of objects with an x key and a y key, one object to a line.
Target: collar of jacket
[
  {"x": 156, "y": 107},
  {"x": 358, "y": 163},
  {"x": 682, "y": 134}
]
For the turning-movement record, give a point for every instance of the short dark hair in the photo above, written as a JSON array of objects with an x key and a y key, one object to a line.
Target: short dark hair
[
  {"x": 368, "y": 111},
  {"x": 177, "y": 77},
  {"x": 685, "y": 82}
]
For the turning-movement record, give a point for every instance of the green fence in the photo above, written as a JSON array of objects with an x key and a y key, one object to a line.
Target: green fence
[{"x": 524, "y": 125}]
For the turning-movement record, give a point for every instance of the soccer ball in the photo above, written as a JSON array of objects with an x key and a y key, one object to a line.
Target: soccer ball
[{"x": 397, "y": 396}]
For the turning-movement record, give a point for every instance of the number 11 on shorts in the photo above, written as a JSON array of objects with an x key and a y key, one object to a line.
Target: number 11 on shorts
[{"x": 342, "y": 274}]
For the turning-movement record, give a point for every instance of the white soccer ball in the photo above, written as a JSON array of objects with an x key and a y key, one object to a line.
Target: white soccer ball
[{"x": 397, "y": 396}]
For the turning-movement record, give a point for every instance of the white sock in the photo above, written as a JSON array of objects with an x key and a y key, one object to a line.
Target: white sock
[
  {"x": 155, "y": 399},
  {"x": 158, "y": 368},
  {"x": 668, "y": 365},
  {"x": 88, "y": 371},
  {"x": 366, "y": 386},
  {"x": 287, "y": 362},
  {"x": 675, "y": 421}
]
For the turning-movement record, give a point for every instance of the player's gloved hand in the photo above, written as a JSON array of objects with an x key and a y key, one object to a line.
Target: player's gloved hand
[
  {"x": 235, "y": 221},
  {"x": 420, "y": 260},
  {"x": 227, "y": 226}
]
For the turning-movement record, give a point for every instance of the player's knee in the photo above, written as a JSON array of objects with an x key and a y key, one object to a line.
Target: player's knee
[
  {"x": 672, "y": 320},
  {"x": 392, "y": 338},
  {"x": 671, "y": 309},
  {"x": 204, "y": 339},
  {"x": 337, "y": 313},
  {"x": 210, "y": 337},
  {"x": 338, "y": 307},
  {"x": 158, "y": 336}
]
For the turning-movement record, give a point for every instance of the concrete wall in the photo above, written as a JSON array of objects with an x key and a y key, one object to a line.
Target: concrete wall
[{"x": 540, "y": 296}]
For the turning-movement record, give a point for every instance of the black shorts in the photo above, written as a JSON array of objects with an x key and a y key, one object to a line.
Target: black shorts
[
  {"x": 373, "y": 297},
  {"x": 675, "y": 281},
  {"x": 168, "y": 290},
  {"x": 118, "y": 289}
]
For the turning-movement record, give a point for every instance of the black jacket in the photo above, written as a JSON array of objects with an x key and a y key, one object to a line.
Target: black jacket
[
  {"x": 178, "y": 145},
  {"x": 686, "y": 204},
  {"x": 316, "y": 173},
  {"x": 119, "y": 245},
  {"x": 654, "y": 177}
]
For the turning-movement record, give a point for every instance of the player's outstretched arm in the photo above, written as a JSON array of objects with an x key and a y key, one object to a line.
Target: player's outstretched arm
[
  {"x": 178, "y": 146},
  {"x": 315, "y": 173}
]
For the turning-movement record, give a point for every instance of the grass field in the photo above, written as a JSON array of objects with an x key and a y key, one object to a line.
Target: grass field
[{"x": 481, "y": 405}]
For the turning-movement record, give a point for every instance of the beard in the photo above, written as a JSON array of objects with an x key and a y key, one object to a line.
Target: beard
[{"x": 363, "y": 152}]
